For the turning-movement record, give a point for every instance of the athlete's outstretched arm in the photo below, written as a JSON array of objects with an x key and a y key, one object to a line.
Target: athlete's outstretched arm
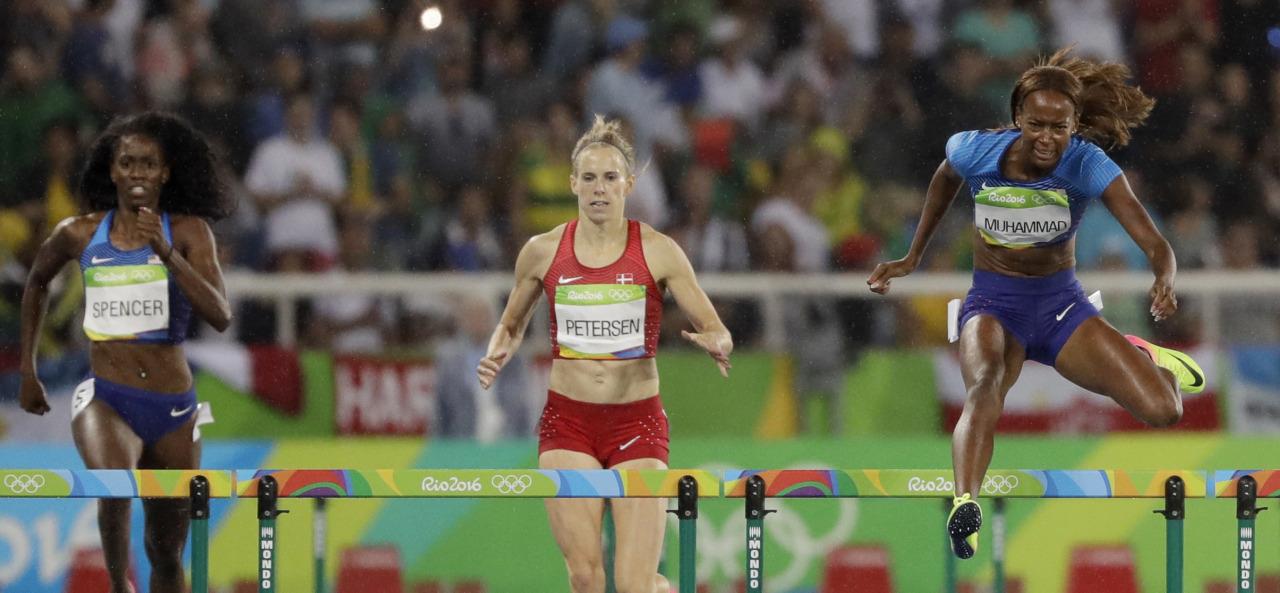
[
  {"x": 942, "y": 192},
  {"x": 531, "y": 264},
  {"x": 54, "y": 253},
  {"x": 1124, "y": 205},
  {"x": 673, "y": 268}
]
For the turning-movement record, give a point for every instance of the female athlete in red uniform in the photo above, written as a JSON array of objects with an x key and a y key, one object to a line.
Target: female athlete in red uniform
[{"x": 604, "y": 276}]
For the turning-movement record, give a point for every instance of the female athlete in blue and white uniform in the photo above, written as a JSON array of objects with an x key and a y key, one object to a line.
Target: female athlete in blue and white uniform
[
  {"x": 148, "y": 260},
  {"x": 1031, "y": 185}
]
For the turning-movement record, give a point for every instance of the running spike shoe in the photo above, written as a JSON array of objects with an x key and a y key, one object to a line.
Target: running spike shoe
[
  {"x": 1190, "y": 377},
  {"x": 962, "y": 526}
]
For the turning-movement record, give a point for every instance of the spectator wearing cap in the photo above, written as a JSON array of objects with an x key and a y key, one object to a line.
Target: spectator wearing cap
[
  {"x": 732, "y": 85},
  {"x": 617, "y": 87}
]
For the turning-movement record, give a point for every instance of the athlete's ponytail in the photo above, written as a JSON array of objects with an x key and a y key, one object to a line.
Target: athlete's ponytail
[{"x": 1107, "y": 106}]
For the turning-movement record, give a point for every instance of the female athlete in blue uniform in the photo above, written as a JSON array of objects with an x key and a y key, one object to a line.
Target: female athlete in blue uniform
[
  {"x": 1031, "y": 185},
  {"x": 148, "y": 260}
]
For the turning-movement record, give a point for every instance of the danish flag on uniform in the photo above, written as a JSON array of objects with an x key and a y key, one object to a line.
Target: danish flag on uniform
[{"x": 626, "y": 279}]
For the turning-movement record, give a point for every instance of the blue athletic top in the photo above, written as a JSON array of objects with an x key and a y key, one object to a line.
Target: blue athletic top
[
  {"x": 130, "y": 295},
  {"x": 1020, "y": 214}
]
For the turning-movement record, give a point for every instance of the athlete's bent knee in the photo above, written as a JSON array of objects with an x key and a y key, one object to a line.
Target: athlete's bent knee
[
  {"x": 1166, "y": 413},
  {"x": 586, "y": 578}
]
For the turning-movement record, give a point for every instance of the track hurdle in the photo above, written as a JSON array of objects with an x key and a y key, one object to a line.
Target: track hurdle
[
  {"x": 198, "y": 484},
  {"x": 1171, "y": 485},
  {"x": 1246, "y": 486},
  {"x": 684, "y": 485}
]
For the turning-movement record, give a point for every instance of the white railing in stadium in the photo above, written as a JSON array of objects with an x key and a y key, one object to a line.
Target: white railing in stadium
[{"x": 1212, "y": 288}]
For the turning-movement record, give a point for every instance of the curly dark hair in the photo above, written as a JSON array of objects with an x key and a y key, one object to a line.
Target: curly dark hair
[
  {"x": 193, "y": 186},
  {"x": 1107, "y": 106}
]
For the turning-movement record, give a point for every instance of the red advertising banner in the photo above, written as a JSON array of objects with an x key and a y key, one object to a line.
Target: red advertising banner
[{"x": 383, "y": 397}]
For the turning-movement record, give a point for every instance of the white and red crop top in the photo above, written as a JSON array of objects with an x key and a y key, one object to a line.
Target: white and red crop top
[{"x": 608, "y": 313}]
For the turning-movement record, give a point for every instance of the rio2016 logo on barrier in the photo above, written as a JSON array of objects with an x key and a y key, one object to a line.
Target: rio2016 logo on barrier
[
  {"x": 938, "y": 484},
  {"x": 23, "y": 483},
  {"x": 451, "y": 484},
  {"x": 993, "y": 484},
  {"x": 512, "y": 484}
]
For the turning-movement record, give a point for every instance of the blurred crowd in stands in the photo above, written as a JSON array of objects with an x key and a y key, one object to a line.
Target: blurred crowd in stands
[{"x": 777, "y": 135}]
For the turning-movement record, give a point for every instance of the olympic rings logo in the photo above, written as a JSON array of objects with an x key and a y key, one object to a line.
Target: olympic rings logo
[
  {"x": 512, "y": 484},
  {"x": 142, "y": 275},
  {"x": 999, "y": 484},
  {"x": 24, "y": 484},
  {"x": 621, "y": 294}
]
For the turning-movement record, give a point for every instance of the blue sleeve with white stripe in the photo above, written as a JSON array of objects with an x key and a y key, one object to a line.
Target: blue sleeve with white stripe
[
  {"x": 1096, "y": 170},
  {"x": 960, "y": 152}
]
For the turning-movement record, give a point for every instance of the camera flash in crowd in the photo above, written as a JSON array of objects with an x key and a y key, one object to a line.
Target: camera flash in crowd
[{"x": 431, "y": 18}]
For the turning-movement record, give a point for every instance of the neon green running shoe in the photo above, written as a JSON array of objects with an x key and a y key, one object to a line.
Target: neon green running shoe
[
  {"x": 963, "y": 524},
  {"x": 1190, "y": 377}
]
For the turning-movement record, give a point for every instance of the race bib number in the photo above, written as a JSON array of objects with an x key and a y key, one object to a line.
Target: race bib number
[
  {"x": 1020, "y": 217},
  {"x": 600, "y": 321},
  {"x": 124, "y": 302}
]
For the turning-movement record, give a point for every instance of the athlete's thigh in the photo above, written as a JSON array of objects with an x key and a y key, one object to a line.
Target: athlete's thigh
[
  {"x": 1098, "y": 358},
  {"x": 103, "y": 438},
  {"x": 575, "y": 522},
  {"x": 641, "y": 524},
  {"x": 990, "y": 353},
  {"x": 176, "y": 450}
]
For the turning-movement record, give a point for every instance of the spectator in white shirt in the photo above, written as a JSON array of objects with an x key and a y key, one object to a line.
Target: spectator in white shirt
[{"x": 296, "y": 181}]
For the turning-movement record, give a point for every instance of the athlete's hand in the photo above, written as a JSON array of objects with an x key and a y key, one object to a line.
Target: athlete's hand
[
  {"x": 887, "y": 271},
  {"x": 31, "y": 396},
  {"x": 151, "y": 229},
  {"x": 489, "y": 366},
  {"x": 718, "y": 346},
  {"x": 1163, "y": 301}
]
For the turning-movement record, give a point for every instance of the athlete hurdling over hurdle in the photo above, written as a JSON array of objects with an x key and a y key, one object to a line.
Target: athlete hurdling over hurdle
[
  {"x": 1031, "y": 184},
  {"x": 149, "y": 261},
  {"x": 604, "y": 276}
]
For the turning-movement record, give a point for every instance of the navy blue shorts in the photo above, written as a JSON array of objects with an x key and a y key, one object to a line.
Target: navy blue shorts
[
  {"x": 151, "y": 415},
  {"x": 1041, "y": 313}
]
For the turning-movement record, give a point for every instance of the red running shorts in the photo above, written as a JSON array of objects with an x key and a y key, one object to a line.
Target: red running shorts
[{"x": 612, "y": 433}]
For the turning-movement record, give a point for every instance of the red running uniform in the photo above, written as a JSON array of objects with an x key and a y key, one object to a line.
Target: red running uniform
[{"x": 607, "y": 313}]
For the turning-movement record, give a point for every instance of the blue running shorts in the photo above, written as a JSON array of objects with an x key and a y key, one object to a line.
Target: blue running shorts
[
  {"x": 151, "y": 415},
  {"x": 1041, "y": 313}
]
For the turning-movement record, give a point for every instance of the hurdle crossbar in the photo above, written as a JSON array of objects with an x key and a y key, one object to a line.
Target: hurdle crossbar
[
  {"x": 479, "y": 483},
  {"x": 929, "y": 483},
  {"x": 685, "y": 485}
]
